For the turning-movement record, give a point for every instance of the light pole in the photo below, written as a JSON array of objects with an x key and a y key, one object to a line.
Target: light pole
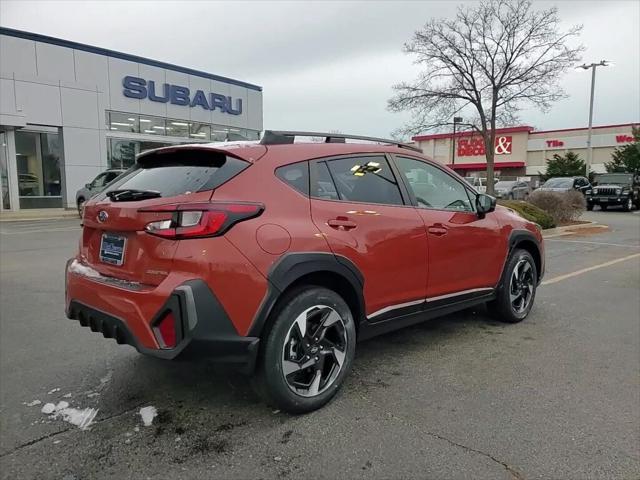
[
  {"x": 456, "y": 121},
  {"x": 592, "y": 66}
]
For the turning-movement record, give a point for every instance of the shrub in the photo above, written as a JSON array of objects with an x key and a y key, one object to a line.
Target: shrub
[
  {"x": 530, "y": 212},
  {"x": 563, "y": 207}
]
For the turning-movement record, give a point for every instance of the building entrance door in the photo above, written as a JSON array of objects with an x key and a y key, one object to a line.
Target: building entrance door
[{"x": 5, "y": 198}]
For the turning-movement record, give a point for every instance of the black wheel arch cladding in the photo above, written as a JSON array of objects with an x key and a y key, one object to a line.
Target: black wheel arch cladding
[{"x": 292, "y": 267}]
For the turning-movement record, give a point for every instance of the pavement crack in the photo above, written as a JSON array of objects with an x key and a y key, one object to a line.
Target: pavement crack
[
  {"x": 515, "y": 474},
  {"x": 512, "y": 471},
  {"x": 59, "y": 432},
  {"x": 33, "y": 442}
]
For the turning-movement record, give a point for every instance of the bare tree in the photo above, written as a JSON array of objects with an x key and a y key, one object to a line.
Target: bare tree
[{"x": 489, "y": 61}]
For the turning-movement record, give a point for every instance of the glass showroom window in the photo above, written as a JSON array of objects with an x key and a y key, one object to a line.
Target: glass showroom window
[
  {"x": 124, "y": 122},
  {"x": 200, "y": 131},
  {"x": 38, "y": 159},
  {"x": 122, "y": 153},
  {"x": 177, "y": 128},
  {"x": 152, "y": 125}
]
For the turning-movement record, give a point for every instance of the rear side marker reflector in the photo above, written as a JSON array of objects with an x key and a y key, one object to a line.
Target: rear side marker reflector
[
  {"x": 199, "y": 220},
  {"x": 165, "y": 331}
]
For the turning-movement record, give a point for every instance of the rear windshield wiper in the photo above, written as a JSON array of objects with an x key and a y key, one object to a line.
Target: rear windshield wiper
[{"x": 130, "y": 194}]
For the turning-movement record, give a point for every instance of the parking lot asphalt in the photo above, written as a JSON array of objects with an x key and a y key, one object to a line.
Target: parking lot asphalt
[{"x": 463, "y": 396}]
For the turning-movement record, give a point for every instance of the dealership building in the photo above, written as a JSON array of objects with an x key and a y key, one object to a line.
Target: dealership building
[
  {"x": 68, "y": 111},
  {"x": 523, "y": 151}
]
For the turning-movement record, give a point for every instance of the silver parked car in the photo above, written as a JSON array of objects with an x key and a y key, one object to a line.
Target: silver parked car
[
  {"x": 512, "y": 190},
  {"x": 96, "y": 186},
  {"x": 566, "y": 184}
]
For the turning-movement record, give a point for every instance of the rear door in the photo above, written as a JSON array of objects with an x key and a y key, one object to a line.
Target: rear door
[
  {"x": 357, "y": 204},
  {"x": 466, "y": 253},
  {"x": 114, "y": 241}
]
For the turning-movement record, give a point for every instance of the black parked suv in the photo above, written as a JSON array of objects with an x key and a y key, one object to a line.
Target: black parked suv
[{"x": 615, "y": 189}]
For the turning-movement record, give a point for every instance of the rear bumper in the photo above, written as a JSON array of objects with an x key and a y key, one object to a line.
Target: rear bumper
[{"x": 203, "y": 328}]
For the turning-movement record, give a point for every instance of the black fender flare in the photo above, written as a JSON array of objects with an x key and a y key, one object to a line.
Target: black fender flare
[
  {"x": 293, "y": 266},
  {"x": 516, "y": 237}
]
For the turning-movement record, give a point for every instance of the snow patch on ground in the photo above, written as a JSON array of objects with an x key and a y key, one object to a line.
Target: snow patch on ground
[
  {"x": 77, "y": 267},
  {"x": 81, "y": 418},
  {"x": 32, "y": 403},
  {"x": 53, "y": 391},
  {"x": 148, "y": 414}
]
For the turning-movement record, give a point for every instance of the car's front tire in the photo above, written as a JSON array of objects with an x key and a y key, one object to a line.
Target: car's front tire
[
  {"x": 628, "y": 205},
  {"x": 589, "y": 207},
  {"x": 517, "y": 292},
  {"x": 308, "y": 351},
  {"x": 603, "y": 207}
]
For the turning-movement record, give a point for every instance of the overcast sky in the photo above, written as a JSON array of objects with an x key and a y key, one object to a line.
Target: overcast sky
[{"x": 330, "y": 65}]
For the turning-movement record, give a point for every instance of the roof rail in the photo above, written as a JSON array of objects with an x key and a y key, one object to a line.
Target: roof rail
[{"x": 277, "y": 137}]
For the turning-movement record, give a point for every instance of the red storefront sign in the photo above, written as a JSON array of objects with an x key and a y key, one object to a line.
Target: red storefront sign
[
  {"x": 555, "y": 143},
  {"x": 474, "y": 147},
  {"x": 624, "y": 138}
]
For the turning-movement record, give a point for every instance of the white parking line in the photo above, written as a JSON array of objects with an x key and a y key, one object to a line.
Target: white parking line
[
  {"x": 592, "y": 243},
  {"x": 589, "y": 269}
]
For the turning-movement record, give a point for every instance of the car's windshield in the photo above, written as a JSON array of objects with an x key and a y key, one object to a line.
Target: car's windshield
[
  {"x": 621, "y": 179},
  {"x": 558, "y": 182},
  {"x": 504, "y": 185}
]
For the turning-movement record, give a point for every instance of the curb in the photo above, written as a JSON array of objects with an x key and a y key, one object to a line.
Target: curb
[
  {"x": 25, "y": 218},
  {"x": 569, "y": 229}
]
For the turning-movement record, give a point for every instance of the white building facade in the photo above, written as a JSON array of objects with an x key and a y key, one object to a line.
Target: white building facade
[{"x": 69, "y": 111}]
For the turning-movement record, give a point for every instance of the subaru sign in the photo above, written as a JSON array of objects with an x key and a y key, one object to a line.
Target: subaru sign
[{"x": 139, "y": 88}]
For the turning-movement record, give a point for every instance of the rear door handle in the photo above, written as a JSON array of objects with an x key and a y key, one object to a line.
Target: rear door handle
[
  {"x": 341, "y": 223},
  {"x": 438, "y": 229}
]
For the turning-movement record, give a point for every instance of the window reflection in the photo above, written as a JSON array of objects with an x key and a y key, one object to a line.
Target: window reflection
[
  {"x": 200, "y": 131},
  {"x": 122, "y": 153},
  {"x": 196, "y": 131},
  {"x": 177, "y": 128},
  {"x": 123, "y": 122}
]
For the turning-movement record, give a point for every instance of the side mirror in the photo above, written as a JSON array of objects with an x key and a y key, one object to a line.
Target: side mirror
[{"x": 485, "y": 204}]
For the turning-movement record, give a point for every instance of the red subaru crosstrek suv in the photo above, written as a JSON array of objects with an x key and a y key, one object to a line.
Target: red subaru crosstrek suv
[{"x": 278, "y": 255}]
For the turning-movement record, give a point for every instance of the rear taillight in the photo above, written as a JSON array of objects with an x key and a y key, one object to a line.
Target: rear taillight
[
  {"x": 165, "y": 331},
  {"x": 200, "y": 220}
]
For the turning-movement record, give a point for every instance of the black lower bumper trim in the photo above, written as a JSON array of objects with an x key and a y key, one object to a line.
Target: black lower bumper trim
[{"x": 204, "y": 328}]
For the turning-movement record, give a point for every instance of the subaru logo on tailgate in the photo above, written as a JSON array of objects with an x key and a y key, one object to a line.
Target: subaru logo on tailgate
[{"x": 102, "y": 216}]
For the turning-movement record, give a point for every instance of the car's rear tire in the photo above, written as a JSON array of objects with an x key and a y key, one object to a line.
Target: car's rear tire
[
  {"x": 589, "y": 207},
  {"x": 517, "y": 291},
  {"x": 308, "y": 351}
]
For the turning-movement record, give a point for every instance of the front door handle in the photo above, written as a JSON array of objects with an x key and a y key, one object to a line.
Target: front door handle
[
  {"x": 341, "y": 223},
  {"x": 438, "y": 229}
]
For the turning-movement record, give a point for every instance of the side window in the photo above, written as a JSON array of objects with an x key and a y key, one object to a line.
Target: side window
[
  {"x": 323, "y": 186},
  {"x": 99, "y": 181},
  {"x": 432, "y": 187},
  {"x": 365, "y": 179},
  {"x": 109, "y": 177},
  {"x": 296, "y": 175}
]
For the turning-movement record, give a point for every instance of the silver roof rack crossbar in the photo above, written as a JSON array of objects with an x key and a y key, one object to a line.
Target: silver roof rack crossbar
[{"x": 278, "y": 137}]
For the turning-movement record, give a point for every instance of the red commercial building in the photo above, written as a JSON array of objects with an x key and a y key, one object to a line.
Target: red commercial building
[{"x": 523, "y": 151}]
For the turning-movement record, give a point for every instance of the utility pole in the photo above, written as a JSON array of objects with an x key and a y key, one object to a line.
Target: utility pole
[{"x": 592, "y": 66}]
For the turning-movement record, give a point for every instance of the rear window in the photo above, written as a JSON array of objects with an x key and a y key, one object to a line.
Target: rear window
[{"x": 179, "y": 172}]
